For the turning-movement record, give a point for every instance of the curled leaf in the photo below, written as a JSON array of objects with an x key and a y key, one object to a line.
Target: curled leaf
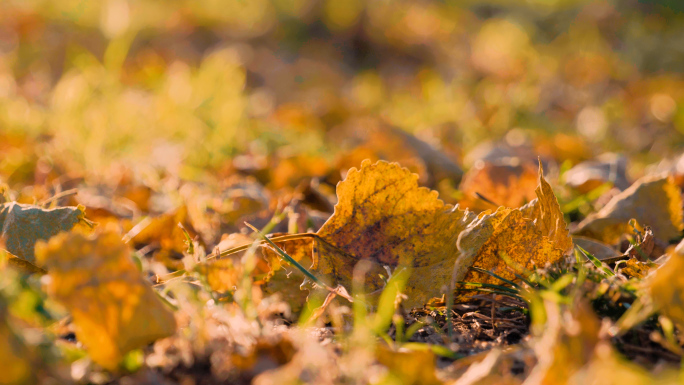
[
  {"x": 113, "y": 308},
  {"x": 511, "y": 241}
]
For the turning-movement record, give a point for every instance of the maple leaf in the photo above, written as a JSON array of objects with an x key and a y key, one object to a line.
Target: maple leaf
[
  {"x": 654, "y": 201},
  {"x": 23, "y": 225},
  {"x": 113, "y": 308}
]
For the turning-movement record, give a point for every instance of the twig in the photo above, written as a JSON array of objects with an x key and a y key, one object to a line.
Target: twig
[{"x": 57, "y": 196}]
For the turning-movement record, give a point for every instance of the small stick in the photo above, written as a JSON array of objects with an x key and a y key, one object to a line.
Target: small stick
[{"x": 57, "y": 196}]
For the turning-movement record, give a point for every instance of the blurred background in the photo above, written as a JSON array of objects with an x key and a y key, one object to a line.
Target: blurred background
[{"x": 284, "y": 90}]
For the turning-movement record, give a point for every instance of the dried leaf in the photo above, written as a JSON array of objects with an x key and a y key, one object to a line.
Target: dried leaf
[
  {"x": 653, "y": 201},
  {"x": 163, "y": 231},
  {"x": 438, "y": 165},
  {"x": 223, "y": 274},
  {"x": 547, "y": 215},
  {"x": 591, "y": 174},
  {"x": 113, "y": 308},
  {"x": 644, "y": 249},
  {"x": 506, "y": 182},
  {"x": 382, "y": 216},
  {"x": 666, "y": 286},
  {"x": 635, "y": 268},
  {"x": 282, "y": 273},
  {"x": 511, "y": 241},
  {"x": 23, "y": 225},
  {"x": 515, "y": 246},
  {"x": 265, "y": 352}
]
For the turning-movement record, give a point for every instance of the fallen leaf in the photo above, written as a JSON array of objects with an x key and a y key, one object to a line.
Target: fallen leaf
[
  {"x": 505, "y": 182},
  {"x": 644, "y": 248},
  {"x": 439, "y": 166},
  {"x": 22, "y": 265},
  {"x": 588, "y": 175},
  {"x": 516, "y": 245},
  {"x": 635, "y": 268},
  {"x": 274, "y": 274},
  {"x": 164, "y": 232},
  {"x": 666, "y": 286},
  {"x": 113, "y": 308},
  {"x": 511, "y": 241},
  {"x": 223, "y": 274},
  {"x": 547, "y": 215},
  {"x": 291, "y": 171},
  {"x": 608, "y": 367},
  {"x": 23, "y": 225},
  {"x": 282, "y": 273},
  {"x": 267, "y": 353},
  {"x": 654, "y": 201},
  {"x": 382, "y": 216}
]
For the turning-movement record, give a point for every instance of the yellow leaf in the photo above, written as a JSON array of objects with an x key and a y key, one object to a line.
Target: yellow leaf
[
  {"x": 382, "y": 216},
  {"x": 635, "y": 268},
  {"x": 23, "y": 225},
  {"x": 511, "y": 241},
  {"x": 508, "y": 183},
  {"x": 280, "y": 278},
  {"x": 653, "y": 201},
  {"x": 516, "y": 245},
  {"x": 547, "y": 215},
  {"x": 113, "y": 308},
  {"x": 666, "y": 286},
  {"x": 163, "y": 230},
  {"x": 223, "y": 274},
  {"x": 22, "y": 265}
]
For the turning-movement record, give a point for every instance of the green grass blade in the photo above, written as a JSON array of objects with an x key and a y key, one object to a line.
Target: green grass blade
[{"x": 599, "y": 265}]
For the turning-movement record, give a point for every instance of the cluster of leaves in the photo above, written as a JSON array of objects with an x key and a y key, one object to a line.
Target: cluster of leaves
[
  {"x": 197, "y": 192},
  {"x": 394, "y": 245}
]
